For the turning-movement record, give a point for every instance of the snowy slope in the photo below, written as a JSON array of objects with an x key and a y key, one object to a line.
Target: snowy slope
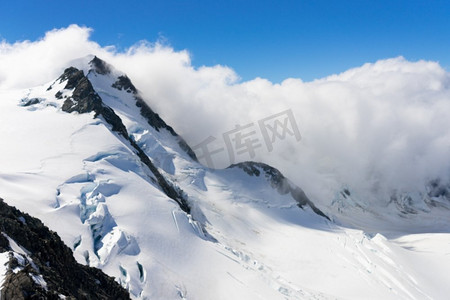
[{"x": 169, "y": 228}]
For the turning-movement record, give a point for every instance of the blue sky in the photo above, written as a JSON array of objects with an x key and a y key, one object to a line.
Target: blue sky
[{"x": 269, "y": 39}]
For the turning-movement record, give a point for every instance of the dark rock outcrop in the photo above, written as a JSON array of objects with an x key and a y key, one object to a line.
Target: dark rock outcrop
[
  {"x": 73, "y": 77},
  {"x": 28, "y": 102},
  {"x": 48, "y": 258},
  {"x": 437, "y": 188},
  {"x": 153, "y": 119},
  {"x": 156, "y": 122},
  {"x": 84, "y": 98},
  {"x": 124, "y": 83},
  {"x": 100, "y": 66}
]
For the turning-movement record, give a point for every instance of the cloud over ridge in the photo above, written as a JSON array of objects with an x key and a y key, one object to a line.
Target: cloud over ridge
[{"x": 374, "y": 128}]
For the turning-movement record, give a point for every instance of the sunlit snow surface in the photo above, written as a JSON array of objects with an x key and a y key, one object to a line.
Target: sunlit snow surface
[{"x": 243, "y": 241}]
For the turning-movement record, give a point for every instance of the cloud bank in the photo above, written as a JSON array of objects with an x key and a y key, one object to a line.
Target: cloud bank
[{"x": 375, "y": 128}]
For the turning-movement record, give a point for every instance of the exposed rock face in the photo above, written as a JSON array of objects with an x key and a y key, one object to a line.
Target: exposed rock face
[
  {"x": 279, "y": 182},
  {"x": 156, "y": 122},
  {"x": 73, "y": 76},
  {"x": 41, "y": 267},
  {"x": 124, "y": 83},
  {"x": 84, "y": 98},
  {"x": 100, "y": 66},
  {"x": 153, "y": 119}
]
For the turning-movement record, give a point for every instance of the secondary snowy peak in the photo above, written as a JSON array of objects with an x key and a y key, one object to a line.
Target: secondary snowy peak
[{"x": 278, "y": 182}]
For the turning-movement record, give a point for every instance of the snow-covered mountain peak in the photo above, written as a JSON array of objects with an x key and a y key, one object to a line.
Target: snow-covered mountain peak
[
  {"x": 277, "y": 180},
  {"x": 88, "y": 156}
]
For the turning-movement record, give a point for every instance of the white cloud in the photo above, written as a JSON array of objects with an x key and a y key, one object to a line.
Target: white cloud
[
  {"x": 24, "y": 64},
  {"x": 383, "y": 125}
]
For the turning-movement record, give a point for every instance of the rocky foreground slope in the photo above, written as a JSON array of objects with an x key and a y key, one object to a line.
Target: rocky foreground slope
[{"x": 36, "y": 264}]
